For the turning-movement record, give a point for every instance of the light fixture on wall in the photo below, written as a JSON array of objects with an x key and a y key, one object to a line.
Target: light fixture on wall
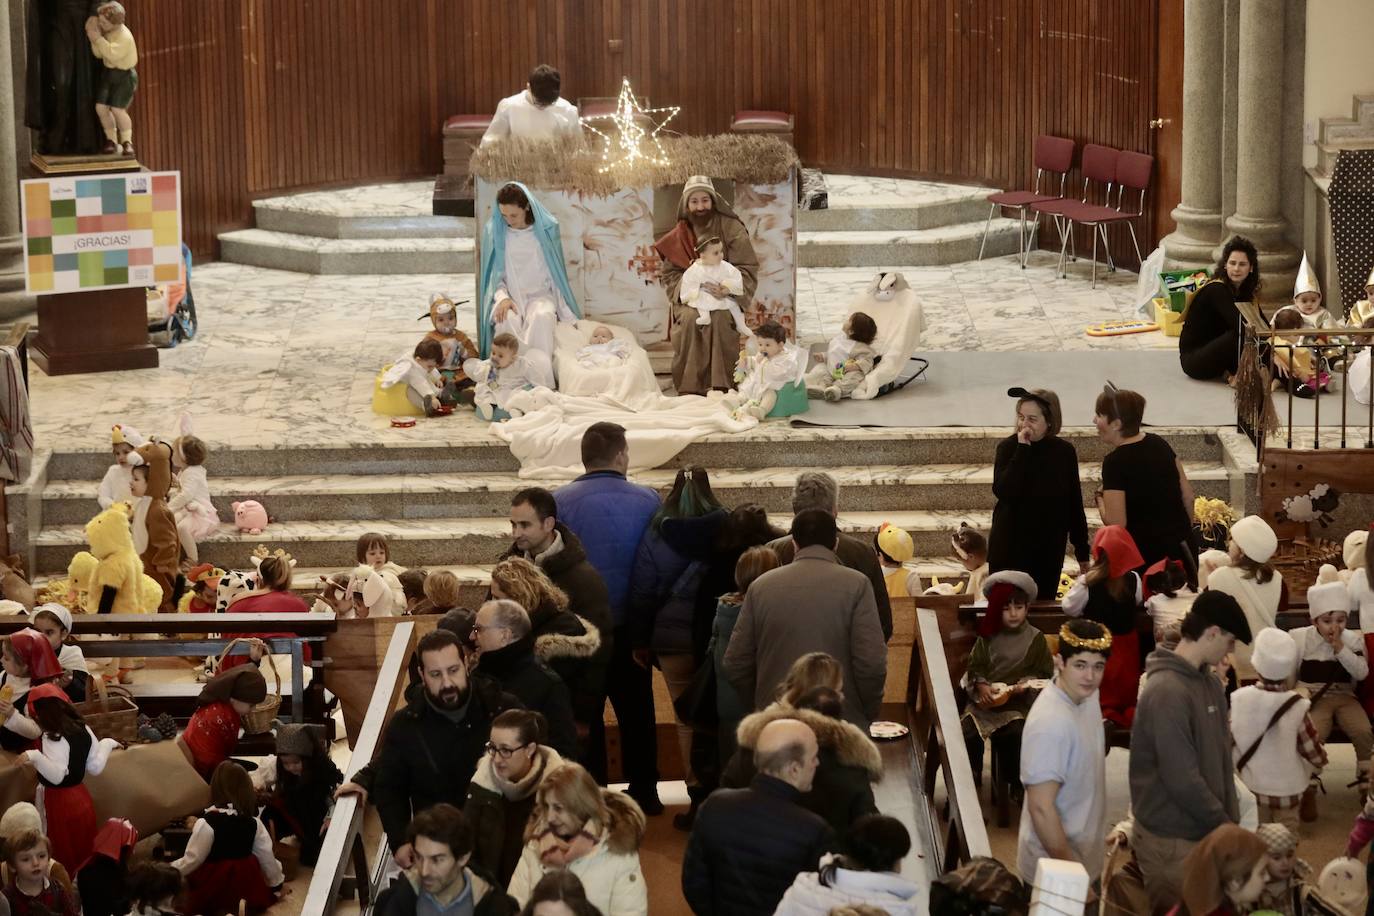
[{"x": 626, "y": 141}]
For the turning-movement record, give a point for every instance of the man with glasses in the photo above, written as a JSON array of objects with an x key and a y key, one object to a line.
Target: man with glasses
[
  {"x": 432, "y": 746},
  {"x": 506, "y": 655}
]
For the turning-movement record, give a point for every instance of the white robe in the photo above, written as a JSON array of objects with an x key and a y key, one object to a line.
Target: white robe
[
  {"x": 405, "y": 370},
  {"x": 519, "y": 117},
  {"x": 609, "y": 355},
  {"x": 762, "y": 375},
  {"x": 495, "y": 386},
  {"x": 538, "y": 306}
]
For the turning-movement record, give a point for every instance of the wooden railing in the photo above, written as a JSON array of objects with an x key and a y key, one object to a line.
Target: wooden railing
[
  {"x": 939, "y": 744},
  {"x": 173, "y": 635},
  {"x": 343, "y": 841}
]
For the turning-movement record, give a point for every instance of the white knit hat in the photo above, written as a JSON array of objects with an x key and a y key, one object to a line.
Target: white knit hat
[
  {"x": 1329, "y": 594},
  {"x": 1274, "y": 654},
  {"x": 1352, "y": 550},
  {"x": 1255, "y": 538}
]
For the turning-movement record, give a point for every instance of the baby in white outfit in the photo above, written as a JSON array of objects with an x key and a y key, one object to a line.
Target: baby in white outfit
[
  {"x": 763, "y": 374},
  {"x": 604, "y": 351},
  {"x": 711, "y": 284},
  {"x": 499, "y": 377}
]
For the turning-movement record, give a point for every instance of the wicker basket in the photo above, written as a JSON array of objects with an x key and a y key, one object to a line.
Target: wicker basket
[
  {"x": 259, "y": 718},
  {"x": 1299, "y": 560},
  {"x": 113, "y": 714}
]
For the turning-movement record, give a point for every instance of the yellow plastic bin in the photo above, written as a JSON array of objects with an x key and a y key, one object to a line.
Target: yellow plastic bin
[
  {"x": 392, "y": 402},
  {"x": 1169, "y": 321}
]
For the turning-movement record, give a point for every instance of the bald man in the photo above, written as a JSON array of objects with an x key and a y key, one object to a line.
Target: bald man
[{"x": 748, "y": 845}]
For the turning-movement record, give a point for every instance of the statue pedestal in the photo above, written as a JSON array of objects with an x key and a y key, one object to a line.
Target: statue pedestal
[{"x": 97, "y": 331}]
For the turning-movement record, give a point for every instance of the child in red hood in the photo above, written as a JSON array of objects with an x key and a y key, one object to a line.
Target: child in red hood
[{"x": 1111, "y": 593}]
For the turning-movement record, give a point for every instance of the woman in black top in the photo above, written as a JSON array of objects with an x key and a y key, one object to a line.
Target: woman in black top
[
  {"x": 1144, "y": 487},
  {"x": 1039, "y": 498},
  {"x": 1209, "y": 344}
]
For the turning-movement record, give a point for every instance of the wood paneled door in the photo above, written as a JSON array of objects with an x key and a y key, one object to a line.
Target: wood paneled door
[{"x": 254, "y": 97}]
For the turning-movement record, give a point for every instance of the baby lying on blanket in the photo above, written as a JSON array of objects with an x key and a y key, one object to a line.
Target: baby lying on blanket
[
  {"x": 499, "y": 377},
  {"x": 604, "y": 351},
  {"x": 761, "y": 376}
]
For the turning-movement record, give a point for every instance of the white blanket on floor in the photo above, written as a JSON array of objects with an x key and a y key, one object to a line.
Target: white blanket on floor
[{"x": 547, "y": 440}]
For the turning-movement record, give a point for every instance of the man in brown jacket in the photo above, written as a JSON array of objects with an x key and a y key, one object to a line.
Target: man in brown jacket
[{"x": 814, "y": 604}]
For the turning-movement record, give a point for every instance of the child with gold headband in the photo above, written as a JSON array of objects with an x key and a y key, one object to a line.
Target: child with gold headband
[{"x": 1064, "y": 759}]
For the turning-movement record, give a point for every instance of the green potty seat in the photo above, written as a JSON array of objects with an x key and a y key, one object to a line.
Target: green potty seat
[{"x": 791, "y": 400}]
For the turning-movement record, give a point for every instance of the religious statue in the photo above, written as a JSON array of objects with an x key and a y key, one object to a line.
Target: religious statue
[
  {"x": 113, "y": 43},
  {"x": 524, "y": 284},
  {"x": 59, "y": 95}
]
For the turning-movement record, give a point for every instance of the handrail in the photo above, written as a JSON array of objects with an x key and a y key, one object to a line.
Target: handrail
[
  {"x": 343, "y": 841},
  {"x": 1346, "y": 342},
  {"x": 940, "y": 745},
  {"x": 304, "y": 624}
]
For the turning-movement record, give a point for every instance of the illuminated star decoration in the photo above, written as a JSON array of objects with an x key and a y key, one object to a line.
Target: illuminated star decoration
[{"x": 629, "y": 136}]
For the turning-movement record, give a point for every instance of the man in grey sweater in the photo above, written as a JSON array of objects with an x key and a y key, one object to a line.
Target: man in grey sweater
[{"x": 1182, "y": 777}]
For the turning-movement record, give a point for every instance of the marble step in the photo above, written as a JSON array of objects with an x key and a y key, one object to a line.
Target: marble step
[
  {"x": 316, "y": 255},
  {"x": 323, "y": 225},
  {"x": 949, "y": 244},
  {"x": 466, "y": 541},
  {"x": 1360, "y": 124},
  {"x": 421, "y": 496},
  {"x": 942, "y": 205},
  {"x": 771, "y": 445}
]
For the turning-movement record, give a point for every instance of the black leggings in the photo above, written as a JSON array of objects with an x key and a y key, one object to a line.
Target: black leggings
[{"x": 1213, "y": 359}]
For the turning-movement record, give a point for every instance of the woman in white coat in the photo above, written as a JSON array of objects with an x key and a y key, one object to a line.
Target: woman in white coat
[
  {"x": 866, "y": 874},
  {"x": 593, "y": 833}
]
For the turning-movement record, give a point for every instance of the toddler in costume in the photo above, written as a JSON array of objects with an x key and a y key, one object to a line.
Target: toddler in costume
[
  {"x": 711, "y": 284},
  {"x": 1332, "y": 663},
  {"x": 1307, "y": 298},
  {"x": 229, "y": 855},
  {"x": 114, "y": 487},
  {"x": 762, "y": 375},
  {"x": 848, "y": 358},
  {"x": 1293, "y": 361},
  {"x": 457, "y": 346},
  {"x": 372, "y": 550},
  {"x": 971, "y": 548},
  {"x": 1277, "y": 748},
  {"x": 1170, "y": 598},
  {"x": 1287, "y": 876},
  {"x": 604, "y": 351},
  {"x": 191, "y": 505},
  {"x": 419, "y": 372},
  {"x": 894, "y": 547},
  {"x": 31, "y": 888},
  {"x": 1363, "y": 310},
  {"x": 499, "y": 377}
]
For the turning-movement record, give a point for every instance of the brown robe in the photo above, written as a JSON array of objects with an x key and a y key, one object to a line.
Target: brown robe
[
  {"x": 162, "y": 557},
  {"x": 704, "y": 356}
]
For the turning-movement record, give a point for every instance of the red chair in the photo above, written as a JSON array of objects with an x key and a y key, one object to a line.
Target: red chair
[
  {"x": 1132, "y": 173},
  {"x": 1098, "y": 166},
  {"x": 1052, "y": 154}
]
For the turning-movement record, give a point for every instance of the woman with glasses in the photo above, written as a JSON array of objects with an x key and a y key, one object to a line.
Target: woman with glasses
[
  {"x": 1145, "y": 488},
  {"x": 501, "y": 795}
]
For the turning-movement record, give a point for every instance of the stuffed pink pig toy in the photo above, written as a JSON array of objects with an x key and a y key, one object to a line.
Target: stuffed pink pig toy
[{"x": 250, "y": 516}]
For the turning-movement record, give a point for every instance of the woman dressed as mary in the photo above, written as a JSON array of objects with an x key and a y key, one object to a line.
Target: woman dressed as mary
[{"x": 524, "y": 285}]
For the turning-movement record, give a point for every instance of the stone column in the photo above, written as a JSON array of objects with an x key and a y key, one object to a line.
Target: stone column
[
  {"x": 1259, "y": 145},
  {"x": 1198, "y": 214},
  {"x": 11, "y": 240}
]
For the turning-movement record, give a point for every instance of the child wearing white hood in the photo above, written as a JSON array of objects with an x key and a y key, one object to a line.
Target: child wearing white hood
[
  {"x": 1332, "y": 665},
  {"x": 1358, "y": 547},
  {"x": 867, "y": 874},
  {"x": 1244, "y": 573}
]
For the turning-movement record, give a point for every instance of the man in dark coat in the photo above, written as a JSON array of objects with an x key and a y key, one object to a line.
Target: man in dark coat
[
  {"x": 432, "y": 746},
  {"x": 818, "y": 490},
  {"x": 749, "y": 845},
  {"x": 545, "y": 541},
  {"x": 506, "y": 655}
]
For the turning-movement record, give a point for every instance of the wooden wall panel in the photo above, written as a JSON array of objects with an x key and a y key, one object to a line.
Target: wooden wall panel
[{"x": 254, "y": 97}]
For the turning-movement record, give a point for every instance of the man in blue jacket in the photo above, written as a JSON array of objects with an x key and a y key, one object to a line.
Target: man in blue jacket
[{"x": 609, "y": 515}]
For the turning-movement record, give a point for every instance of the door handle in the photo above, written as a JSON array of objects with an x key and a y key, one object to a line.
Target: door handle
[{"x": 1158, "y": 123}]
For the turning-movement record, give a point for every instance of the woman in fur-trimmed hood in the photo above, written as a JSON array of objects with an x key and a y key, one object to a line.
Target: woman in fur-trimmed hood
[
  {"x": 850, "y": 763},
  {"x": 590, "y": 831}
]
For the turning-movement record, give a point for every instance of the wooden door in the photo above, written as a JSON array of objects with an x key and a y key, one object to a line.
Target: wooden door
[{"x": 1167, "y": 132}]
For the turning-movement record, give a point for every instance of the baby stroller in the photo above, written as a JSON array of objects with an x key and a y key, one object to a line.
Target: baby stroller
[{"x": 172, "y": 308}]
